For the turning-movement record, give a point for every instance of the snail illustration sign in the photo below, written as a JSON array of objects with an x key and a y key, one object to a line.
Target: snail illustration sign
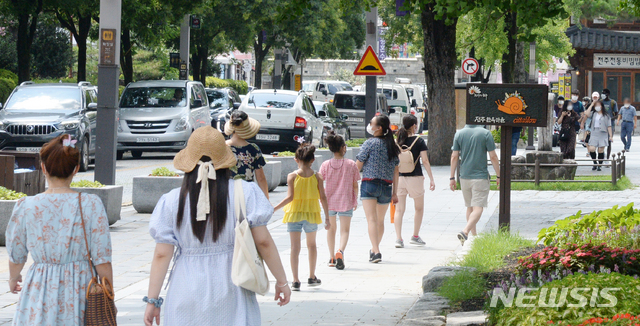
[{"x": 515, "y": 105}]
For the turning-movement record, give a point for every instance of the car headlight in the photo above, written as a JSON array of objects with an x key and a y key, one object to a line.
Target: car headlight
[
  {"x": 119, "y": 125},
  {"x": 183, "y": 124},
  {"x": 70, "y": 125}
]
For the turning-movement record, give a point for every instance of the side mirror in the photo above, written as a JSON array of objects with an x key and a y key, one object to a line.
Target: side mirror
[
  {"x": 345, "y": 117},
  {"x": 420, "y": 110},
  {"x": 197, "y": 103},
  {"x": 324, "y": 92},
  {"x": 321, "y": 113},
  {"x": 236, "y": 105},
  {"x": 392, "y": 110},
  {"x": 414, "y": 103},
  {"x": 90, "y": 107}
]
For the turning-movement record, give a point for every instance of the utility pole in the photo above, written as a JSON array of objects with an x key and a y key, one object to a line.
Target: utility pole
[
  {"x": 370, "y": 99},
  {"x": 108, "y": 96},
  {"x": 533, "y": 79},
  {"x": 185, "y": 34},
  {"x": 277, "y": 68}
]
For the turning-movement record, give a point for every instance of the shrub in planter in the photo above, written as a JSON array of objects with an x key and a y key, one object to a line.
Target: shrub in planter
[
  {"x": 147, "y": 190},
  {"x": 111, "y": 196},
  {"x": 578, "y": 302},
  {"x": 8, "y": 199}
]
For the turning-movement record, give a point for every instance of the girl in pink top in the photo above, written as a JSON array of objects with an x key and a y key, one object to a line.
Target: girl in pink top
[{"x": 341, "y": 178}]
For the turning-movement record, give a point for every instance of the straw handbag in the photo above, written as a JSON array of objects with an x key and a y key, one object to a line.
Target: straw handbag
[
  {"x": 247, "y": 270},
  {"x": 101, "y": 308}
]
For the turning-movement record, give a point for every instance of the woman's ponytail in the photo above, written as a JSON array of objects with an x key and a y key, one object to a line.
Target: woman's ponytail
[
  {"x": 408, "y": 121},
  {"x": 387, "y": 135}
]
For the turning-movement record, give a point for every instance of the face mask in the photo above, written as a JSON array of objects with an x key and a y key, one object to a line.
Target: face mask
[
  {"x": 598, "y": 109},
  {"x": 604, "y": 96},
  {"x": 574, "y": 98},
  {"x": 626, "y": 105},
  {"x": 560, "y": 102},
  {"x": 570, "y": 108},
  {"x": 370, "y": 129},
  {"x": 584, "y": 103}
]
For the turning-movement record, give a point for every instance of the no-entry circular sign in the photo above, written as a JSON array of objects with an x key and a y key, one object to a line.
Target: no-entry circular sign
[{"x": 470, "y": 66}]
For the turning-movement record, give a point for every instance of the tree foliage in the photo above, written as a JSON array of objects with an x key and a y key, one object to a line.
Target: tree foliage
[{"x": 51, "y": 52}]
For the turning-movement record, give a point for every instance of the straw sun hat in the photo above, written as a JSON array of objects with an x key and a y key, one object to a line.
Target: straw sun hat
[
  {"x": 205, "y": 141},
  {"x": 247, "y": 129}
]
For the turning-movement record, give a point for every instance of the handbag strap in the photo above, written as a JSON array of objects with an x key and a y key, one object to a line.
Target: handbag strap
[
  {"x": 84, "y": 231},
  {"x": 238, "y": 198}
]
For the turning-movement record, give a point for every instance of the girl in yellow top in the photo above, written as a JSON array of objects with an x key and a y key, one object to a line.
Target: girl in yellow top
[{"x": 302, "y": 211}]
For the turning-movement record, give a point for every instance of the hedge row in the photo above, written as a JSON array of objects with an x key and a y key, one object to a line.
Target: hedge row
[
  {"x": 239, "y": 86},
  {"x": 6, "y": 87},
  {"x": 6, "y": 74}
]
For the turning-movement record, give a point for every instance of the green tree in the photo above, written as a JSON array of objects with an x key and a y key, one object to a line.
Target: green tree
[
  {"x": 26, "y": 13},
  {"x": 8, "y": 53},
  {"x": 51, "y": 52}
]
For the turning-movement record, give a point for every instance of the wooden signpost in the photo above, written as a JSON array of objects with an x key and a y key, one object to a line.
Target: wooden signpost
[{"x": 507, "y": 106}]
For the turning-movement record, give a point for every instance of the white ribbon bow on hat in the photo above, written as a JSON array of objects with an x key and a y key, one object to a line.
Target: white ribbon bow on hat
[{"x": 206, "y": 171}]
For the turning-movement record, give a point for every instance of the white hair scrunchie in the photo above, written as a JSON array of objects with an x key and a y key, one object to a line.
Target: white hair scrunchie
[{"x": 206, "y": 171}]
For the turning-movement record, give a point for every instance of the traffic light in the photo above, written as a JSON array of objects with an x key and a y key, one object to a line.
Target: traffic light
[{"x": 195, "y": 22}]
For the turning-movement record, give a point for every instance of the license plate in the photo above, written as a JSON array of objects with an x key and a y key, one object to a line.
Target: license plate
[
  {"x": 268, "y": 137},
  {"x": 28, "y": 149},
  {"x": 148, "y": 140},
  {"x": 356, "y": 119}
]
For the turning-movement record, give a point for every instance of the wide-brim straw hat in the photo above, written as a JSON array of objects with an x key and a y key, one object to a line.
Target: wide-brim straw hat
[
  {"x": 247, "y": 129},
  {"x": 205, "y": 141}
]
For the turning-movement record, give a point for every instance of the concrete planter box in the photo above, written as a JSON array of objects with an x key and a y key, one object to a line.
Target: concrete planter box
[
  {"x": 289, "y": 165},
  {"x": 325, "y": 153},
  {"x": 354, "y": 152},
  {"x": 6, "y": 208},
  {"x": 148, "y": 190},
  {"x": 111, "y": 197},
  {"x": 273, "y": 171}
]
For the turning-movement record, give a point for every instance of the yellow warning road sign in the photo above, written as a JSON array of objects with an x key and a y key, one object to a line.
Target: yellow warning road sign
[{"x": 369, "y": 65}]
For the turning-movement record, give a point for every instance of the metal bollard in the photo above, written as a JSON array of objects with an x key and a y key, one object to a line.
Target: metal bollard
[
  {"x": 537, "y": 170},
  {"x": 614, "y": 175}
]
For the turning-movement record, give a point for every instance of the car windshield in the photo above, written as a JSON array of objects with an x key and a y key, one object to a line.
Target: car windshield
[
  {"x": 349, "y": 102},
  {"x": 217, "y": 98},
  {"x": 388, "y": 93},
  {"x": 331, "y": 111},
  {"x": 45, "y": 98},
  {"x": 158, "y": 97},
  {"x": 308, "y": 87},
  {"x": 410, "y": 92},
  {"x": 272, "y": 100},
  {"x": 346, "y": 87}
]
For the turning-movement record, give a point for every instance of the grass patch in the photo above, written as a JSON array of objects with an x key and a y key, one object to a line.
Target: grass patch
[
  {"x": 356, "y": 142},
  {"x": 488, "y": 250},
  {"x": 464, "y": 285},
  {"x": 623, "y": 184}
]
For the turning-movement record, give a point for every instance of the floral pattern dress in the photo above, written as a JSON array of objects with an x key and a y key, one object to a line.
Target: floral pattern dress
[
  {"x": 250, "y": 159},
  {"x": 49, "y": 227}
]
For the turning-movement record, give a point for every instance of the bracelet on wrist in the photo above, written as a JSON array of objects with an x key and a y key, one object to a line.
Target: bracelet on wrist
[
  {"x": 156, "y": 302},
  {"x": 452, "y": 178},
  {"x": 283, "y": 285},
  {"x": 497, "y": 177}
]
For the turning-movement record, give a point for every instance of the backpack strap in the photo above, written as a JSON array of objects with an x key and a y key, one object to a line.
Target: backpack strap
[{"x": 410, "y": 147}]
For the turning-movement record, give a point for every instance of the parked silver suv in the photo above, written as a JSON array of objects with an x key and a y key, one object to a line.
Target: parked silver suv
[
  {"x": 37, "y": 113},
  {"x": 160, "y": 115}
]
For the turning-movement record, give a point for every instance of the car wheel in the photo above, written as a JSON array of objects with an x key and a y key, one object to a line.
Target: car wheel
[
  {"x": 84, "y": 156},
  {"x": 119, "y": 155},
  {"x": 136, "y": 154}
]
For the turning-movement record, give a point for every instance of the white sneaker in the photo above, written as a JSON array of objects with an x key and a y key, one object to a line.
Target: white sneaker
[
  {"x": 399, "y": 243},
  {"x": 417, "y": 241}
]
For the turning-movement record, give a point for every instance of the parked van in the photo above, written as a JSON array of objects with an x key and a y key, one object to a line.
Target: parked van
[
  {"x": 417, "y": 100},
  {"x": 325, "y": 90},
  {"x": 308, "y": 86},
  {"x": 397, "y": 98},
  {"x": 160, "y": 115},
  {"x": 352, "y": 104}
]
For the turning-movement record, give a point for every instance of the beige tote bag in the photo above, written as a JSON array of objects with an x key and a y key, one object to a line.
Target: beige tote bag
[{"x": 247, "y": 270}]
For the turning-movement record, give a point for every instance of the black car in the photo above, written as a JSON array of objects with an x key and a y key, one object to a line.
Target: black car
[
  {"x": 332, "y": 120},
  {"x": 221, "y": 101},
  {"x": 37, "y": 113}
]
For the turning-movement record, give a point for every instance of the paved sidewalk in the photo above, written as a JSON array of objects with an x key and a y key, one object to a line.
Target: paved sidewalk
[{"x": 363, "y": 293}]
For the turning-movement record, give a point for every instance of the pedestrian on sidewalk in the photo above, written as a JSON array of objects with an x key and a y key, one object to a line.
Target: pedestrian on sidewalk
[
  {"x": 515, "y": 138},
  {"x": 378, "y": 161},
  {"x": 51, "y": 226},
  {"x": 611, "y": 108},
  {"x": 586, "y": 103},
  {"x": 412, "y": 183},
  {"x": 567, "y": 120},
  {"x": 629, "y": 122},
  {"x": 471, "y": 144},
  {"x": 302, "y": 211},
  {"x": 578, "y": 108},
  {"x": 199, "y": 223},
  {"x": 342, "y": 176},
  {"x": 558, "y": 107},
  {"x": 250, "y": 160},
  {"x": 601, "y": 133}
]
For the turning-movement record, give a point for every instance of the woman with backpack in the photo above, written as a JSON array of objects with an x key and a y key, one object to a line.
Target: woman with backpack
[
  {"x": 378, "y": 161},
  {"x": 411, "y": 181}
]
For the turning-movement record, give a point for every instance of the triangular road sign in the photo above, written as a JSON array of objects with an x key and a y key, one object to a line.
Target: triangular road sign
[{"x": 369, "y": 65}]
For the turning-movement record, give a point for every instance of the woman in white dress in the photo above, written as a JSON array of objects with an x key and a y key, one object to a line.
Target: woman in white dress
[{"x": 200, "y": 288}]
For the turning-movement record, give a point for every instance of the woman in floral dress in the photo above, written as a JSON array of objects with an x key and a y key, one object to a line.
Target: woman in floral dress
[
  {"x": 49, "y": 227},
  {"x": 250, "y": 160}
]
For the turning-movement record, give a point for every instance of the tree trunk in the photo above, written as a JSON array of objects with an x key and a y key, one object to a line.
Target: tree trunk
[
  {"x": 260, "y": 55},
  {"x": 205, "y": 69},
  {"x": 439, "y": 62},
  {"x": 126, "y": 57},
  {"x": 509, "y": 57},
  {"x": 520, "y": 73},
  {"x": 26, "y": 32},
  {"x": 84, "y": 25}
]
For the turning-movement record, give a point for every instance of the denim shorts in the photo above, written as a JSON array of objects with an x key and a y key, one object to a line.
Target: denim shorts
[
  {"x": 348, "y": 213},
  {"x": 299, "y": 226},
  {"x": 376, "y": 189}
]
